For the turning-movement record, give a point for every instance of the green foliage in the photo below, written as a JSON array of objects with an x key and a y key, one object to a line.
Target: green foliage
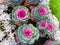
[
  {"x": 55, "y": 7},
  {"x": 1, "y": 25}
]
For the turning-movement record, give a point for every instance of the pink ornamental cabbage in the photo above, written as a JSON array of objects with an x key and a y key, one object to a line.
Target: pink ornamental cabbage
[
  {"x": 43, "y": 25},
  {"x": 21, "y": 14},
  {"x": 42, "y": 11},
  {"x": 28, "y": 32},
  {"x": 50, "y": 27}
]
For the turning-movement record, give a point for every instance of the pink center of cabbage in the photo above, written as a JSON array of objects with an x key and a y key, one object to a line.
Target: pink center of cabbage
[
  {"x": 43, "y": 24},
  {"x": 21, "y": 14},
  {"x": 42, "y": 32},
  {"x": 50, "y": 27},
  {"x": 42, "y": 11},
  {"x": 28, "y": 32}
]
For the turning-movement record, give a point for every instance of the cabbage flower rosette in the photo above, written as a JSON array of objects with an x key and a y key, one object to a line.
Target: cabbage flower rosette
[
  {"x": 28, "y": 33},
  {"x": 14, "y": 2},
  {"x": 40, "y": 12},
  {"x": 52, "y": 19},
  {"x": 45, "y": 28},
  {"x": 20, "y": 14}
]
